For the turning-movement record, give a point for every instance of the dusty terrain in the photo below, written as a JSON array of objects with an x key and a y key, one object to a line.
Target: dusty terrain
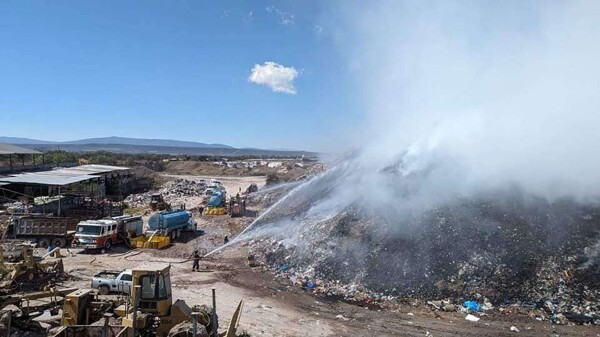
[{"x": 272, "y": 307}]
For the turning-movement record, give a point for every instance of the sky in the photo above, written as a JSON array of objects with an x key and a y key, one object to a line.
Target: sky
[{"x": 243, "y": 73}]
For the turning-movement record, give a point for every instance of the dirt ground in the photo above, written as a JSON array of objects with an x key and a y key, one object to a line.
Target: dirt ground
[{"x": 273, "y": 307}]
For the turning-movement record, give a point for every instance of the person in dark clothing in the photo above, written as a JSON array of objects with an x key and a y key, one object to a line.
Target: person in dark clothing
[
  {"x": 226, "y": 239},
  {"x": 196, "y": 257}
]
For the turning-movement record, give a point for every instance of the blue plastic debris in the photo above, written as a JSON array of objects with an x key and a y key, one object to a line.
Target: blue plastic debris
[
  {"x": 310, "y": 284},
  {"x": 283, "y": 267},
  {"x": 472, "y": 305}
]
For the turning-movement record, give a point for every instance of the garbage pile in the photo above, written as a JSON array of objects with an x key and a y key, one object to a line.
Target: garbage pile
[
  {"x": 171, "y": 192},
  {"x": 17, "y": 207},
  {"x": 502, "y": 250}
]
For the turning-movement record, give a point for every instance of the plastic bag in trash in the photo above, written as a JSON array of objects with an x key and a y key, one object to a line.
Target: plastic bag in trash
[{"x": 472, "y": 305}]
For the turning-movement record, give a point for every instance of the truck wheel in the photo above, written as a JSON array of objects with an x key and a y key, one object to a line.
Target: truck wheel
[
  {"x": 43, "y": 243},
  {"x": 178, "y": 233},
  {"x": 107, "y": 244},
  {"x": 59, "y": 242},
  {"x": 173, "y": 235},
  {"x": 103, "y": 290}
]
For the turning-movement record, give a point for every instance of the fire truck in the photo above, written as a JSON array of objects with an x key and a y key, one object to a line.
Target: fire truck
[{"x": 101, "y": 235}]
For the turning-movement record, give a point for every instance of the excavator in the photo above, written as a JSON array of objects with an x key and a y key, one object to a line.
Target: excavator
[
  {"x": 148, "y": 312},
  {"x": 157, "y": 203}
]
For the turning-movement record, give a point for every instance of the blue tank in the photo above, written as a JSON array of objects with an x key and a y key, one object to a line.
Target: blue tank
[
  {"x": 169, "y": 220},
  {"x": 216, "y": 199}
]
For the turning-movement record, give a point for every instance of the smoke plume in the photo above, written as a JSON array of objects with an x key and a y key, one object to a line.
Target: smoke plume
[
  {"x": 496, "y": 93},
  {"x": 477, "y": 172}
]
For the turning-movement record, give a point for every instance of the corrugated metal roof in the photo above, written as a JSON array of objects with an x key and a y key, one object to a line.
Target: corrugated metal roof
[
  {"x": 13, "y": 149},
  {"x": 93, "y": 169},
  {"x": 63, "y": 176},
  {"x": 43, "y": 178}
]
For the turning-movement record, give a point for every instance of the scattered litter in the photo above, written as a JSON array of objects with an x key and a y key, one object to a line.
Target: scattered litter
[
  {"x": 342, "y": 318},
  {"x": 472, "y": 318},
  {"x": 472, "y": 305},
  {"x": 514, "y": 329}
]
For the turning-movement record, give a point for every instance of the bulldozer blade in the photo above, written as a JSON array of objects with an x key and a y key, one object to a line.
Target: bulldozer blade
[{"x": 235, "y": 320}]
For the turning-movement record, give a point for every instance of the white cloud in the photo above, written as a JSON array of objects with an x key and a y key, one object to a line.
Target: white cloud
[
  {"x": 249, "y": 18},
  {"x": 285, "y": 18},
  {"x": 318, "y": 29},
  {"x": 277, "y": 77}
]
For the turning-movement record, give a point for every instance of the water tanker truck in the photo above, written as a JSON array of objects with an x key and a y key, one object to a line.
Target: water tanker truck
[
  {"x": 217, "y": 199},
  {"x": 171, "y": 223},
  {"x": 216, "y": 202}
]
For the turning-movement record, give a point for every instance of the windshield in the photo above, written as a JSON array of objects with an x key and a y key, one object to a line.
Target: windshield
[{"x": 88, "y": 230}]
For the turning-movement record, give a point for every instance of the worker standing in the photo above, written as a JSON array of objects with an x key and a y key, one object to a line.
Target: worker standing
[{"x": 196, "y": 257}]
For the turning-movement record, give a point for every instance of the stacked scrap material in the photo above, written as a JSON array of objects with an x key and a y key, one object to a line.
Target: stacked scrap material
[{"x": 171, "y": 191}]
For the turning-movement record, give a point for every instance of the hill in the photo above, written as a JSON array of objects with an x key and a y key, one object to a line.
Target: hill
[{"x": 113, "y": 140}]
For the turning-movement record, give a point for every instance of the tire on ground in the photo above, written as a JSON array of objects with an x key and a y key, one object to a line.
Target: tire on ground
[
  {"x": 103, "y": 290},
  {"x": 43, "y": 243},
  {"x": 59, "y": 242},
  {"x": 185, "y": 329}
]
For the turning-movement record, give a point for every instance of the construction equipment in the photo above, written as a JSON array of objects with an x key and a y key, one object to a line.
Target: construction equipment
[
  {"x": 157, "y": 203},
  {"x": 237, "y": 206},
  {"x": 21, "y": 271},
  {"x": 154, "y": 241},
  {"x": 149, "y": 311},
  {"x": 216, "y": 202},
  {"x": 33, "y": 305}
]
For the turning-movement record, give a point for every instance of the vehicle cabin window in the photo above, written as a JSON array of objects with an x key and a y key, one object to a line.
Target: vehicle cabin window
[
  {"x": 155, "y": 288},
  {"x": 148, "y": 284},
  {"x": 114, "y": 227},
  {"x": 126, "y": 277},
  {"x": 162, "y": 288},
  {"x": 168, "y": 285},
  {"x": 103, "y": 230}
]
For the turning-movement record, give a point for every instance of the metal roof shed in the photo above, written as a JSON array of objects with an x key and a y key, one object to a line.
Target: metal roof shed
[
  {"x": 47, "y": 179},
  {"x": 13, "y": 149}
]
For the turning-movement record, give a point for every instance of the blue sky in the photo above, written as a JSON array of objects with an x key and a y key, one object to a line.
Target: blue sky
[{"x": 171, "y": 69}]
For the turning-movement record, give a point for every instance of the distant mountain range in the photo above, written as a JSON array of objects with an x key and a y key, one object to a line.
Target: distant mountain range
[
  {"x": 115, "y": 141},
  {"x": 139, "y": 145}
]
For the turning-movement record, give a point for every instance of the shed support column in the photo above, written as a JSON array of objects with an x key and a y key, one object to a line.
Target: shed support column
[{"x": 59, "y": 197}]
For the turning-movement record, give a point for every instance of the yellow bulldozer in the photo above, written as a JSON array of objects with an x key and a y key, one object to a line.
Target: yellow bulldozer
[
  {"x": 148, "y": 312},
  {"x": 20, "y": 270}
]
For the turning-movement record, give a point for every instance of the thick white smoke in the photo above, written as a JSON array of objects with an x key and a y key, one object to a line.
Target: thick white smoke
[{"x": 490, "y": 93}]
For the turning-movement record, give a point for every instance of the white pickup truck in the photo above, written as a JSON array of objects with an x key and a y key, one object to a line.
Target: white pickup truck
[{"x": 108, "y": 281}]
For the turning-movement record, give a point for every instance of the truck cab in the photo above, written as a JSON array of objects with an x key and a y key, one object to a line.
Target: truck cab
[
  {"x": 109, "y": 281},
  {"x": 96, "y": 234}
]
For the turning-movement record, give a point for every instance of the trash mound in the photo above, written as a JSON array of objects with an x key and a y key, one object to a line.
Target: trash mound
[
  {"x": 501, "y": 248},
  {"x": 171, "y": 191}
]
